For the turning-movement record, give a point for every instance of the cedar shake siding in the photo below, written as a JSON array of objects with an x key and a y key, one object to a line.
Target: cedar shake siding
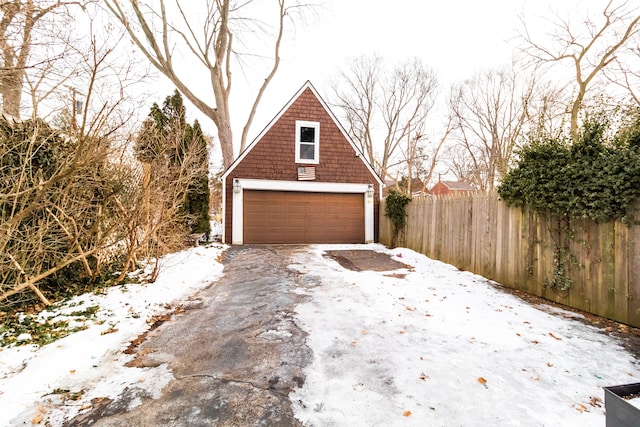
[{"x": 272, "y": 157}]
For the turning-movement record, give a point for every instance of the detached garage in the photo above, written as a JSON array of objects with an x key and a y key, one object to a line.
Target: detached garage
[{"x": 302, "y": 180}]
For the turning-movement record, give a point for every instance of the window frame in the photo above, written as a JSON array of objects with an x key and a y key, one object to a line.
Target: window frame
[{"x": 316, "y": 144}]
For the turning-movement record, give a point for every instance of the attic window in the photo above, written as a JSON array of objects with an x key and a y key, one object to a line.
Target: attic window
[{"x": 307, "y": 142}]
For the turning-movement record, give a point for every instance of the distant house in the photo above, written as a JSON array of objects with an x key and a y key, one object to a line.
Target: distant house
[
  {"x": 451, "y": 187},
  {"x": 418, "y": 188},
  {"x": 302, "y": 180}
]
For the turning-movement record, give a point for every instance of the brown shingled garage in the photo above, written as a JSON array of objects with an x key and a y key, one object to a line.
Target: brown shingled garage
[
  {"x": 301, "y": 180},
  {"x": 302, "y": 217}
]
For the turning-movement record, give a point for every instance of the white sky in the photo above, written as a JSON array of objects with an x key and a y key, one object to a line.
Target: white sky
[{"x": 456, "y": 38}]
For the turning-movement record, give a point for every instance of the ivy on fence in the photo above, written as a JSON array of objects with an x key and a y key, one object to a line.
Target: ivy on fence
[
  {"x": 395, "y": 210},
  {"x": 597, "y": 178}
]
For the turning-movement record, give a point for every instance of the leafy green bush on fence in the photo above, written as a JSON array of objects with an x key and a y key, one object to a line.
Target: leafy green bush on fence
[
  {"x": 598, "y": 177},
  {"x": 395, "y": 210}
]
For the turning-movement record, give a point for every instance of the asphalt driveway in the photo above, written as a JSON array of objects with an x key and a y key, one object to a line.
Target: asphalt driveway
[{"x": 235, "y": 353}]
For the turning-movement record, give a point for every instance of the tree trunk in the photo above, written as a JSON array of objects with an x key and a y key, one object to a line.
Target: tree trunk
[
  {"x": 225, "y": 137},
  {"x": 12, "y": 92}
]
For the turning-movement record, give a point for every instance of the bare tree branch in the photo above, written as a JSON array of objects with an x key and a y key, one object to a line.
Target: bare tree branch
[
  {"x": 396, "y": 101},
  {"x": 590, "y": 54},
  {"x": 212, "y": 48}
]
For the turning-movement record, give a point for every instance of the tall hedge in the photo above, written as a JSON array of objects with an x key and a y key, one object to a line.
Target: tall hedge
[{"x": 165, "y": 138}]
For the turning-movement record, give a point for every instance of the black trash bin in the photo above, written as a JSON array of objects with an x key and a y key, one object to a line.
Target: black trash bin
[{"x": 621, "y": 413}]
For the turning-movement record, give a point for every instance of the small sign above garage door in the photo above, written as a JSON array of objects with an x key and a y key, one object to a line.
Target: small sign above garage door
[{"x": 303, "y": 217}]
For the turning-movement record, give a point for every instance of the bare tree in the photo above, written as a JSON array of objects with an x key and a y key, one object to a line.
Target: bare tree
[
  {"x": 385, "y": 108},
  {"x": 209, "y": 37},
  {"x": 459, "y": 164},
  {"x": 427, "y": 161},
  {"x": 624, "y": 72},
  {"x": 546, "y": 111},
  {"x": 60, "y": 188},
  {"x": 153, "y": 217},
  {"x": 590, "y": 47},
  {"x": 489, "y": 114},
  {"x": 357, "y": 92},
  {"x": 33, "y": 45},
  {"x": 421, "y": 155}
]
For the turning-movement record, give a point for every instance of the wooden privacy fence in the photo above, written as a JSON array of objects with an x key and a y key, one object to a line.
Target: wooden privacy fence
[{"x": 517, "y": 248}]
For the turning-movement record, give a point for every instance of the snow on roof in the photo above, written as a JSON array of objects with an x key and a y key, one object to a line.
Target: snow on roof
[{"x": 458, "y": 185}]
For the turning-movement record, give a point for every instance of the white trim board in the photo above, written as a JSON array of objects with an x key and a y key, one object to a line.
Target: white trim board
[{"x": 306, "y": 186}]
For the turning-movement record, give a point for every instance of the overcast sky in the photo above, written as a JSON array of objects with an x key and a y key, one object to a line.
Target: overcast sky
[{"x": 456, "y": 38}]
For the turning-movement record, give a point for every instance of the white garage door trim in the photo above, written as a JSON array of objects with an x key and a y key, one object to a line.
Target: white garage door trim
[{"x": 302, "y": 186}]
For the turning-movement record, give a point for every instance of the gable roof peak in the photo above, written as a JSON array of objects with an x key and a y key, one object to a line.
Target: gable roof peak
[{"x": 283, "y": 110}]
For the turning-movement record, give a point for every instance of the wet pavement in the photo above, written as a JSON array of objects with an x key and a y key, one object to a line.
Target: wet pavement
[{"x": 236, "y": 353}]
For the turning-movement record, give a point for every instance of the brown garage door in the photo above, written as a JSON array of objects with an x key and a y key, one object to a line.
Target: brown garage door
[{"x": 296, "y": 217}]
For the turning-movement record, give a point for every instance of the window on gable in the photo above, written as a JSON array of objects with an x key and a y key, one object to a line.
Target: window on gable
[{"x": 307, "y": 142}]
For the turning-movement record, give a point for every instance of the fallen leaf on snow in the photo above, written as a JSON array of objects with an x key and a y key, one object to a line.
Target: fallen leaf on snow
[
  {"x": 38, "y": 418},
  {"x": 580, "y": 408},
  {"x": 406, "y": 413},
  {"x": 595, "y": 402},
  {"x": 483, "y": 381},
  {"x": 109, "y": 331},
  {"x": 553, "y": 336}
]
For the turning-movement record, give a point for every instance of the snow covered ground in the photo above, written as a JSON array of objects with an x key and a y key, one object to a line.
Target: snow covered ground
[
  {"x": 435, "y": 347},
  {"x": 445, "y": 347}
]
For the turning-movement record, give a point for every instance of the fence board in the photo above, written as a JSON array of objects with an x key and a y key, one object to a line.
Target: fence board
[
  {"x": 634, "y": 276},
  {"x": 515, "y": 247},
  {"x": 621, "y": 251}
]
